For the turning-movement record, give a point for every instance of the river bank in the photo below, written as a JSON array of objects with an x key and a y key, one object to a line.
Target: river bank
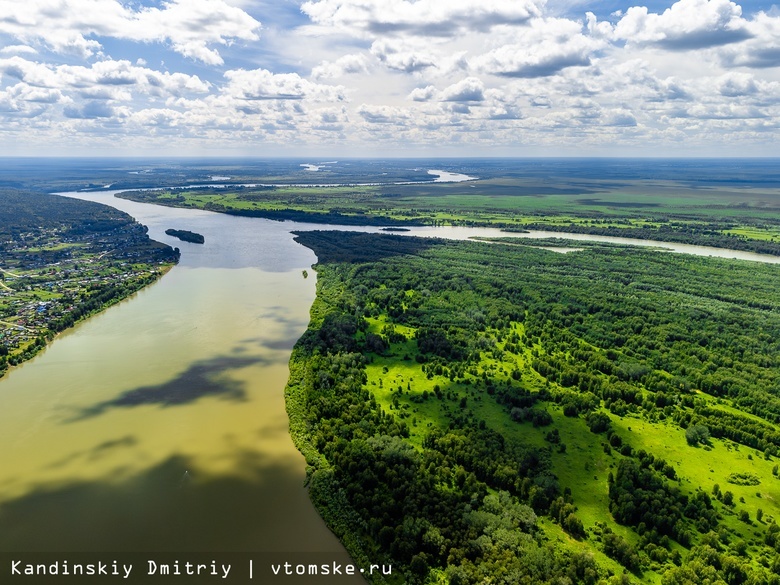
[{"x": 70, "y": 260}]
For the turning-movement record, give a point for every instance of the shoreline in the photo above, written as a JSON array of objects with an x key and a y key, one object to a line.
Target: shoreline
[{"x": 50, "y": 339}]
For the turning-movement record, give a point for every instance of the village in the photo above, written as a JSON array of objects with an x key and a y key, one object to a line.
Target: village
[{"x": 52, "y": 278}]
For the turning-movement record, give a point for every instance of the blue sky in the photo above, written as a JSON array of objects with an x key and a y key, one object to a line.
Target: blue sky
[{"x": 389, "y": 78}]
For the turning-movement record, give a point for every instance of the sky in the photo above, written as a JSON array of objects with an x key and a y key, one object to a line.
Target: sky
[{"x": 389, "y": 78}]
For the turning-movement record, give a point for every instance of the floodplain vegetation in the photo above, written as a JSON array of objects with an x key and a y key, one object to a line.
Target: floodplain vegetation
[
  {"x": 742, "y": 217},
  {"x": 62, "y": 260},
  {"x": 494, "y": 413}
]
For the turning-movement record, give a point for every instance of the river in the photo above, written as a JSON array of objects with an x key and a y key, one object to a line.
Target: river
[{"x": 160, "y": 423}]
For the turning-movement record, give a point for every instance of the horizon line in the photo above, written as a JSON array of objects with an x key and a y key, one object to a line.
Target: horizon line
[{"x": 342, "y": 158}]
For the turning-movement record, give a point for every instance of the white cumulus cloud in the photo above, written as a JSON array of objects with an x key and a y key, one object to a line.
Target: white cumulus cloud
[
  {"x": 543, "y": 49},
  {"x": 383, "y": 114},
  {"x": 68, "y": 26},
  {"x": 104, "y": 73},
  {"x": 430, "y": 18},
  {"x": 423, "y": 94},
  {"x": 762, "y": 50},
  {"x": 17, "y": 50},
  {"x": 687, "y": 24},
  {"x": 470, "y": 89},
  {"x": 347, "y": 64},
  {"x": 402, "y": 58},
  {"x": 261, "y": 84}
]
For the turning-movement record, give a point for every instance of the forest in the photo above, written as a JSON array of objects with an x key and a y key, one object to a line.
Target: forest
[
  {"x": 23, "y": 211},
  {"x": 473, "y": 411}
]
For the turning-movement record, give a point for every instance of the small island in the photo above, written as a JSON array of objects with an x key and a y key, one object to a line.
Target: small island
[{"x": 186, "y": 236}]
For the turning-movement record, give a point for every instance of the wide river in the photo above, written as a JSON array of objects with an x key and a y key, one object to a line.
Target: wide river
[{"x": 160, "y": 423}]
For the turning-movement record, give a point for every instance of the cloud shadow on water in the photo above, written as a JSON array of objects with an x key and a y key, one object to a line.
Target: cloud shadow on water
[
  {"x": 96, "y": 453},
  {"x": 171, "y": 506},
  {"x": 200, "y": 380}
]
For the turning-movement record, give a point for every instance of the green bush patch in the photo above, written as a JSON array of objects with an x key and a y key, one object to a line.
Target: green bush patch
[{"x": 743, "y": 479}]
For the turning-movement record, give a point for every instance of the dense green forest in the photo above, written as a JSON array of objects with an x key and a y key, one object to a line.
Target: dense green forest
[
  {"x": 477, "y": 413},
  {"x": 62, "y": 260},
  {"x": 23, "y": 211}
]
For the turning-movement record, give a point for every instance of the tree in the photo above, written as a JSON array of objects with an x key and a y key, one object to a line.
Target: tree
[
  {"x": 418, "y": 565},
  {"x": 573, "y": 526},
  {"x": 693, "y": 571},
  {"x": 696, "y": 434},
  {"x": 598, "y": 422}
]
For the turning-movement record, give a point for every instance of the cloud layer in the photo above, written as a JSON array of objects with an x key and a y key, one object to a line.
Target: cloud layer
[{"x": 378, "y": 77}]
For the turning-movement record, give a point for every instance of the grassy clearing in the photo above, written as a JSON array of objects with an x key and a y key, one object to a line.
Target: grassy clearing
[
  {"x": 703, "y": 467},
  {"x": 756, "y": 233},
  {"x": 398, "y": 383},
  {"x": 400, "y": 386}
]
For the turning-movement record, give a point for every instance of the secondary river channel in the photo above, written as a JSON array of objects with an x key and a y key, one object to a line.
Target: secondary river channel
[{"x": 159, "y": 425}]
